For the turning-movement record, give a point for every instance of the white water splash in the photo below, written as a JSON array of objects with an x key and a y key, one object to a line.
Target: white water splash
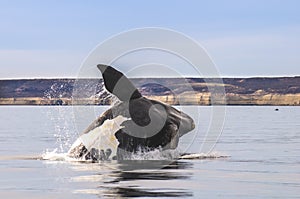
[
  {"x": 156, "y": 154},
  {"x": 105, "y": 96},
  {"x": 55, "y": 156},
  {"x": 61, "y": 157},
  {"x": 63, "y": 126}
]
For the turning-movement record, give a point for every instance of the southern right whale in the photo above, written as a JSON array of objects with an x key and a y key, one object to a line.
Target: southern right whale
[{"x": 135, "y": 124}]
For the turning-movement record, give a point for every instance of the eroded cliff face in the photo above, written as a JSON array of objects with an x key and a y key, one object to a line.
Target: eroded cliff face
[
  {"x": 190, "y": 91},
  {"x": 264, "y": 99},
  {"x": 232, "y": 99}
]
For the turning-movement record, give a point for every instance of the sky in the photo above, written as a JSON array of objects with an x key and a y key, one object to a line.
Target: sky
[{"x": 243, "y": 38}]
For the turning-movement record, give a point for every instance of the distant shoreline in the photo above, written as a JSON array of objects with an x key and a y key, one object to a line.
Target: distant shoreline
[{"x": 259, "y": 91}]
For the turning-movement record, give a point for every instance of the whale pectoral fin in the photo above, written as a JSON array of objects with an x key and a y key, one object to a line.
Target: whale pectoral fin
[
  {"x": 118, "y": 84},
  {"x": 99, "y": 121}
]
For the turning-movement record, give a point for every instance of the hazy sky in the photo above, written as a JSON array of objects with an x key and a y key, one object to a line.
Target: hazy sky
[{"x": 244, "y": 38}]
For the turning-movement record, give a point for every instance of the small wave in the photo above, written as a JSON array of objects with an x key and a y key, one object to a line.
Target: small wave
[
  {"x": 20, "y": 157},
  {"x": 212, "y": 155}
]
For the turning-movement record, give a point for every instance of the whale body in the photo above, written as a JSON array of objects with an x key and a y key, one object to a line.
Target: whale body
[{"x": 135, "y": 124}]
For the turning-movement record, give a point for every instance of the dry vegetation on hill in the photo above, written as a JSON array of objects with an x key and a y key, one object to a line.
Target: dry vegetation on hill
[{"x": 190, "y": 91}]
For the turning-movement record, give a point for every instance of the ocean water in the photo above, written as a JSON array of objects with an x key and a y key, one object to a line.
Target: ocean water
[{"x": 256, "y": 156}]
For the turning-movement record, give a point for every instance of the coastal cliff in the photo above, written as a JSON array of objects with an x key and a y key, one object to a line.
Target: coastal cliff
[{"x": 190, "y": 91}]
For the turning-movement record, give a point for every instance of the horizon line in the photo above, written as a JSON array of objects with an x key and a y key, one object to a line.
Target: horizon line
[{"x": 245, "y": 77}]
